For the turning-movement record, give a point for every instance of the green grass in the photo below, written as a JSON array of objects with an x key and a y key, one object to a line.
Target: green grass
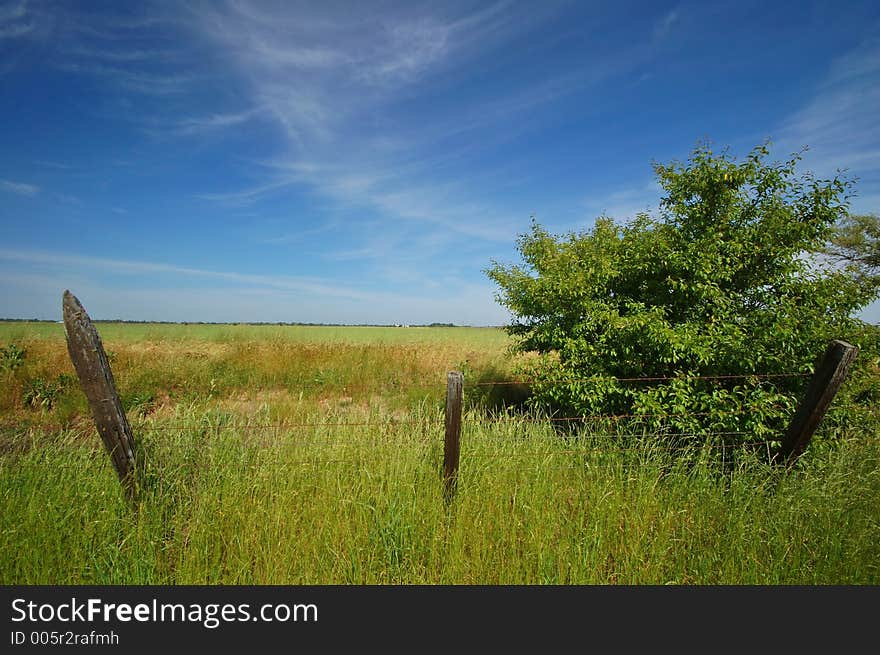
[
  {"x": 479, "y": 338},
  {"x": 344, "y": 486},
  {"x": 222, "y": 503},
  {"x": 245, "y": 366}
]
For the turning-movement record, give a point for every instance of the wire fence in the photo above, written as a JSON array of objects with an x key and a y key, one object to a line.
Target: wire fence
[
  {"x": 229, "y": 423},
  {"x": 589, "y": 444},
  {"x": 660, "y": 378},
  {"x": 519, "y": 417}
]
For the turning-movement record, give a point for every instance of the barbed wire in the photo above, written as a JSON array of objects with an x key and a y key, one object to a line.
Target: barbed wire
[
  {"x": 196, "y": 425},
  {"x": 659, "y": 378},
  {"x": 424, "y": 422},
  {"x": 367, "y": 465},
  {"x": 615, "y": 435},
  {"x": 646, "y": 448},
  {"x": 431, "y": 422},
  {"x": 229, "y": 423},
  {"x": 598, "y": 417},
  {"x": 284, "y": 426}
]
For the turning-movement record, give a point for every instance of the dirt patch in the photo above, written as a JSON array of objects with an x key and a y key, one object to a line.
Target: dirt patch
[
  {"x": 251, "y": 402},
  {"x": 165, "y": 349}
]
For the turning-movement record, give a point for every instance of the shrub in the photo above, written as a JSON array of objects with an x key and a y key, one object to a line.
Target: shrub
[
  {"x": 723, "y": 282},
  {"x": 39, "y": 393},
  {"x": 11, "y": 357}
]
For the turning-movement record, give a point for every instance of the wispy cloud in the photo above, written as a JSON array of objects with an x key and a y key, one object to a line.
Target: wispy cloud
[
  {"x": 212, "y": 122},
  {"x": 68, "y": 199},
  {"x": 15, "y": 31},
  {"x": 120, "y": 55},
  {"x": 15, "y": 22},
  {"x": 138, "y": 81},
  {"x": 11, "y": 11},
  {"x": 626, "y": 202},
  {"x": 444, "y": 206},
  {"x": 129, "y": 267},
  {"x": 337, "y": 85},
  {"x": 244, "y": 197},
  {"x": 232, "y": 296},
  {"x": 839, "y": 124},
  {"x": 54, "y": 164},
  {"x": 139, "y": 53},
  {"x": 664, "y": 26},
  {"x": 19, "y": 188},
  {"x": 408, "y": 49}
]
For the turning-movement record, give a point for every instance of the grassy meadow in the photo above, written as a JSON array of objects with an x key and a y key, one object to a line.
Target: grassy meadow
[{"x": 312, "y": 455}]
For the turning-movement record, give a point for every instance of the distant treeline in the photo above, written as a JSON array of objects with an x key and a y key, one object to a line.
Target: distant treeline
[{"x": 292, "y": 323}]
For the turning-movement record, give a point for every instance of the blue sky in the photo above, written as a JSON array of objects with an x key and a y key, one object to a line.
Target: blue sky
[{"x": 365, "y": 162}]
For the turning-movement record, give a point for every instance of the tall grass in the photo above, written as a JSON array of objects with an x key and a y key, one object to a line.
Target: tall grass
[
  {"x": 312, "y": 455},
  {"x": 472, "y": 338},
  {"x": 160, "y": 366},
  {"x": 223, "y": 501}
]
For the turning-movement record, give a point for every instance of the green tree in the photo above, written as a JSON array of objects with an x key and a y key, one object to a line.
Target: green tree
[
  {"x": 856, "y": 240},
  {"x": 720, "y": 283}
]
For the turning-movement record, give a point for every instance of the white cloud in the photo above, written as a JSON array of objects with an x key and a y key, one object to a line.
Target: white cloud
[
  {"x": 625, "y": 203},
  {"x": 12, "y": 11},
  {"x": 333, "y": 84},
  {"x": 663, "y": 27},
  {"x": 126, "y": 267},
  {"x": 839, "y": 124},
  {"x": 19, "y": 188},
  {"x": 16, "y": 30},
  {"x": 234, "y": 297},
  {"x": 69, "y": 199},
  {"x": 249, "y": 195},
  {"x": 410, "y": 48},
  {"x": 54, "y": 164},
  {"x": 338, "y": 87},
  {"x": 202, "y": 124},
  {"x": 137, "y": 81}
]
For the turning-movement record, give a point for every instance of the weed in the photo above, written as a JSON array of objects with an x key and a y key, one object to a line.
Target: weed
[
  {"x": 11, "y": 357},
  {"x": 141, "y": 403},
  {"x": 40, "y": 394}
]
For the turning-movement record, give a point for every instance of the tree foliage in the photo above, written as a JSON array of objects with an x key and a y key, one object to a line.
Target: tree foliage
[
  {"x": 856, "y": 240},
  {"x": 721, "y": 282}
]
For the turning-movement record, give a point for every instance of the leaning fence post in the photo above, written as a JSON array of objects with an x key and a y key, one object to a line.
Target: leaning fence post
[
  {"x": 454, "y": 383},
  {"x": 90, "y": 361},
  {"x": 829, "y": 375}
]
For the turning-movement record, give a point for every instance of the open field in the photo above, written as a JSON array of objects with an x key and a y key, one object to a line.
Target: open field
[
  {"x": 302, "y": 455},
  {"x": 484, "y": 339},
  {"x": 241, "y": 367}
]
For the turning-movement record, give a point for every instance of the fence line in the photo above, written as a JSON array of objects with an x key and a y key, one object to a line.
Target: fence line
[
  {"x": 282, "y": 426},
  {"x": 438, "y": 385},
  {"x": 623, "y": 435},
  {"x": 516, "y": 418},
  {"x": 164, "y": 426},
  {"x": 545, "y": 456},
  {"x": 96, "y": 378},
  {"x": 513, "y": 419},
  {"x": 598, "y": 417},
  {"x": 760, "y": 376}
]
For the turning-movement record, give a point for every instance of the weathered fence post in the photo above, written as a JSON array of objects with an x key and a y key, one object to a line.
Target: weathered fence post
[
  {"x": 90, "y": 361},
  {"x": 829, "y": 375},
  {"x": 454, "y": 383}
]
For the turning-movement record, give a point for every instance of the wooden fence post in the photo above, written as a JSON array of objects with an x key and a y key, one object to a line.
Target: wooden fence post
[
  {"x": 90, "y": 361},
  {"x": 830, "y": 374},
  {"x": 454, "y": 383}
]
